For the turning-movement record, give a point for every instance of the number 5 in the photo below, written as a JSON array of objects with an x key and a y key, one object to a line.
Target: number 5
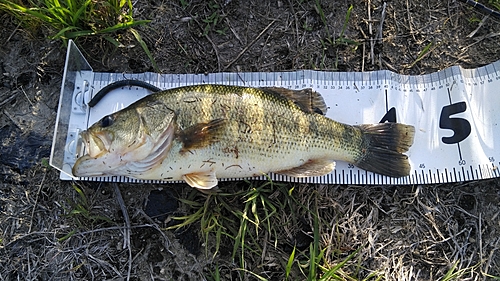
[{"x": 460, "y": 127}]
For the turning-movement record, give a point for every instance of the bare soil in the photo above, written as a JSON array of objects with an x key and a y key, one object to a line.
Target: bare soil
[{"x": 49, "y": 231}]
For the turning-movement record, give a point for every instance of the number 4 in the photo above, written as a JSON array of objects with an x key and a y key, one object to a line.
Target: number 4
[{"x": 390, "y": 116}]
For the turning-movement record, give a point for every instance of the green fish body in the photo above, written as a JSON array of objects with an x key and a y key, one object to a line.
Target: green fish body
[{"x": 204, "y": 132}]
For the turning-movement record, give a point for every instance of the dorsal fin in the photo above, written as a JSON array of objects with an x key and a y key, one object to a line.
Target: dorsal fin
[{"x": 306, "y": 99}]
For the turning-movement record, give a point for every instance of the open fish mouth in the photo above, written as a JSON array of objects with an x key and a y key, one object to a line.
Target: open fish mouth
[{"x": 96, "y": 144}]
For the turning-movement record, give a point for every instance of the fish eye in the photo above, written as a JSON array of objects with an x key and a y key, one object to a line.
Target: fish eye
[{"x": 107, "y": 121}]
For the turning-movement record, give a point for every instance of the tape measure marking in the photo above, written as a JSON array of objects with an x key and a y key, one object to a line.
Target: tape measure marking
[{"x": 454, "y": 112}]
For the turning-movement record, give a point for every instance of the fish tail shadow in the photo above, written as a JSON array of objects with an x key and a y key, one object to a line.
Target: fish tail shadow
[{"x": 384, "y": 146}]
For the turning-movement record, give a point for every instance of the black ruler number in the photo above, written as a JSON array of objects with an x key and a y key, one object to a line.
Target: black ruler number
[
  {"x": 390, "y": 116},
  {"x": 461, "y": 127}
]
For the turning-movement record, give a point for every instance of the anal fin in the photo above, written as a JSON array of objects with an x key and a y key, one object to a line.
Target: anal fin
[
  {"x": 201, "y": 180},
  {"x": 312, "y": 168}
]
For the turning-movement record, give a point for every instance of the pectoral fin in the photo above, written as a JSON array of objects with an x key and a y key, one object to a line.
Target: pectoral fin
[
  {"x": 201, "y": 180},
  {"x": 312, "y": 168},
  {"x": 201, "y": 134}
]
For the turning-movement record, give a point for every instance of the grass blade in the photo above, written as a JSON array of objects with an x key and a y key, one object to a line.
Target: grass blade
[
  {"x": 346, "y": 21},
  {"x": 422, "y": 54},
  {"x": 145, "y": 48},
  {"x": 76, "y": 16},
  {"x": 34, "y": 12},
  {"x": 289, "y": 264}
]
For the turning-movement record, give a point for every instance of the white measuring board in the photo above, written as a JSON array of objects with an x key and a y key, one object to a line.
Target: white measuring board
[{"x": 455, "y": 112}]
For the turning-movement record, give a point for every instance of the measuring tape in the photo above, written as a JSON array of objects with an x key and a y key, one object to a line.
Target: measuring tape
[{"x": 455, "y": 113}]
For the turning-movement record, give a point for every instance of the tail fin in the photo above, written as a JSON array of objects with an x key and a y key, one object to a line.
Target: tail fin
[{"x": 385, "y": 145}]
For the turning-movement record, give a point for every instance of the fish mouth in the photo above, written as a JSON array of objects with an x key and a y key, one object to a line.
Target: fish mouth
[
  {"x": 96, "y": 143},
  {"x": 96, "y": 146},
  {"x": 80, "y": 169}
]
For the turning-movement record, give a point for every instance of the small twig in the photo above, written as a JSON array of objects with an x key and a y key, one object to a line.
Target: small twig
[
  {"x": 126, "y": 232},
  {"x": 488, "y": 263},
  {"x": 209, "y": 40},
  {"x": 490, "y": 35},
  {"x": 388, "y": 65},
  {"x": 13, "y": 121},
  {"x": 370, "y": 31},
  {"x": 249, "y": 45},
  {"x": 216, "y": 51},
  {"x": 36, "y": 201},
  {"x": 112, "y": 228},
  {"x": 154, "y": 225},
  {"x": 233, "y": 31},
  {"x": 381, "y": 25},
  {"x": 264, "y": 248},
  {"x": 481, "y": 23},
  {"x": 29, "y": 262},
  {"x": 409, "y": 20},
  {"x": 296, "y": 22},
  {"x": 363, "y": 58},
  {"x": 100, "y": 261},
  {"x": 365, "y": 37},
  {"x": 26, "y": 95},
  {"x": 265, "y": 44},
  {"x": 13, "y": 32},
  {"x": 12, "y": 96},
  {"x": 480, "y": 236},
  {"x": 380, "y": 34}
]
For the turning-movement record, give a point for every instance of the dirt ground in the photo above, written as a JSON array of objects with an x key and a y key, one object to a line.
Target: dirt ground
[{"x": 51, "y": 231}]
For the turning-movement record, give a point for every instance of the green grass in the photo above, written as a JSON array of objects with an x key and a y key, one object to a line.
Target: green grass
[
  {"x": 492, "y": 277},
  {"x": 427, "y": 49},
  {"x": 244, "y": 221},
  {"x": 213, "y": 20},
  {"x": 331, "y": 41},
  {"x": 71, "y": 19},
  {"x": 341, "y": 39},
  {"x": 458, "y": 274},
  {"x": 243, "y": 218},
  {"x": 218, "y": 215},
  {"x": 75, "y": 18},
  {"x": 322, "y": 262},
  {"x": 495, "y": 4},
  {"x": 81, "y": 213}
]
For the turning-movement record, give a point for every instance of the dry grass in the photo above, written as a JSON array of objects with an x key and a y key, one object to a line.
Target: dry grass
[
  {"x": 398, "y": 233},
  {"x": 50, "y": 231}
]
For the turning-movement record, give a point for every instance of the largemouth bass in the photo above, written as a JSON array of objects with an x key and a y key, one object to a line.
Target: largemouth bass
[{"x": 204, "y": 132}]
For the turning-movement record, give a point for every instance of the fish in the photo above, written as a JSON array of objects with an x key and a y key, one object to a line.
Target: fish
[{"x": 201, "y": 133}]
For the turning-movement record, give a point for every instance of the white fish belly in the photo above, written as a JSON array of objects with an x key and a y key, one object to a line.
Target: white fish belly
[{"x": 227, "y": 164}]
